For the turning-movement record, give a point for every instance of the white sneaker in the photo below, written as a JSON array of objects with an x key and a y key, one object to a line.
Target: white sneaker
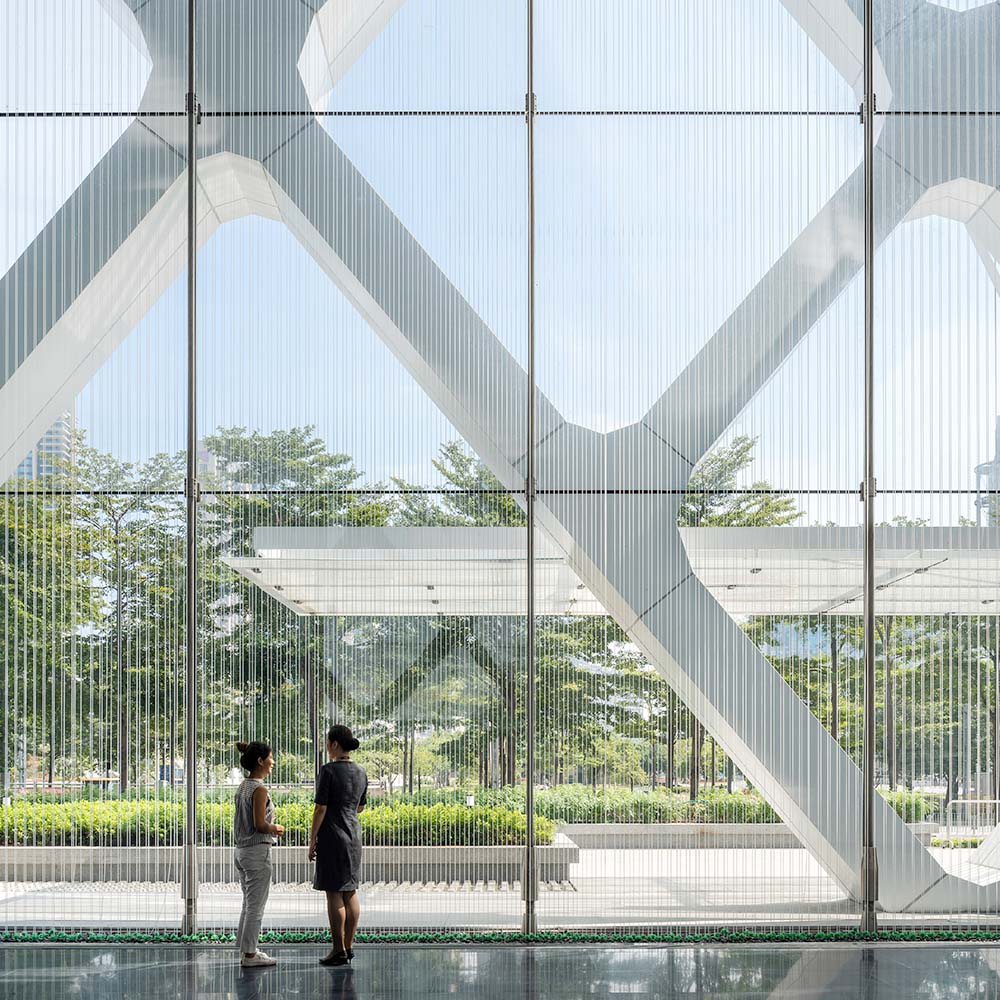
[{"x": 258, "y": 958}]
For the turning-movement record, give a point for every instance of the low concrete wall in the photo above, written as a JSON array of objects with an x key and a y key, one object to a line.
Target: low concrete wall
[
  {"x": 658, "y": 836},
  {"x": 399, "y": 864},
  {"x": 215, "y": 864}
]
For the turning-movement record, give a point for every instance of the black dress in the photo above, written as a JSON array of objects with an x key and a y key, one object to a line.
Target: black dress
[{"x": 342, "y": 787}]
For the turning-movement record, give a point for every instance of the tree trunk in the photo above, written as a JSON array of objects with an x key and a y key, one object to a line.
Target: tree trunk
[
  {"x": 671, "y": 738},
  {"x": 120, "y": 696},
  {"x": 511, "y": 773},
  {"x": 413, "y": 748},
  {"x": 172, "y": 735},
  {"x": 713, "y": 762},
  {"x": 311, "y": 707},
  {"x": 729, "y": 775},
  {"x": 890, "y": 711},
  {"x": 693, "y": 761},
  {"x": 52, "y": 724},
  {"x": 996, "y": 718}
]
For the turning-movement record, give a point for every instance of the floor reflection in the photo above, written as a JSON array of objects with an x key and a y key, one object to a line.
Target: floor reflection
[{"x": 831, "y": 972}]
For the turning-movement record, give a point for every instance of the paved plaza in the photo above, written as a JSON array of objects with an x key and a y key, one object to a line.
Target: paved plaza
[{"x": 605, "y": 888}]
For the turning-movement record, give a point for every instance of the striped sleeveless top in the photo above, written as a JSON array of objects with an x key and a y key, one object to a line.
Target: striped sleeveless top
[{"x": 244, "y": 832}]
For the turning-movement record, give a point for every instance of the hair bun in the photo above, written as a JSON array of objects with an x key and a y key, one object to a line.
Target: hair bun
[
  {"x": 242, "y": 747},
  {"x": 354, "y": 744}
]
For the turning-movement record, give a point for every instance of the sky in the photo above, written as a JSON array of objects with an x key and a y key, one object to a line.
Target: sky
[{"x": 650, "y": 230}]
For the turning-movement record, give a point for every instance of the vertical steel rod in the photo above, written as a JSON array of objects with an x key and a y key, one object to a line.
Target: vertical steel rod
[
  {"x": 869, "y": 859},
  {"x": 834, "y": 677},
  {"x": 530, "y": 881},
  {"x": 190, "y": 875}
]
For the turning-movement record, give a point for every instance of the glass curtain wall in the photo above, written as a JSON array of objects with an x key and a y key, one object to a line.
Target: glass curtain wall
[
  {"x": 365, "y": 333},
  {"x": 936, "y": 437},
  {"x": 93, "y": 323},
  {"x": 361, "y": 306},
  {"x": 699, "y": 213}
]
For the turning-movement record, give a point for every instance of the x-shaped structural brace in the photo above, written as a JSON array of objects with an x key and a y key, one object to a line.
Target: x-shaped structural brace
[{"x": 119, "y": 241}]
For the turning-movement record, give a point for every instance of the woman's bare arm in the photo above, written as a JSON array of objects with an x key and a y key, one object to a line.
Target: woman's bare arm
[
  {"x": 319, "y": 812},
  {"x": 260, "y": 823}
]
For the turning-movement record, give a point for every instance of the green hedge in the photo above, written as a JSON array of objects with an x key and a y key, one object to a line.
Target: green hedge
[
  {"x": 152, "y": 823},
  {"x": 431, "y": 817},
  {"x": 443, "y": 824},
  {"x": 956, "y": 842},
  {"x": 584, "y": 804},
  {"x": 912, "y": 806}
]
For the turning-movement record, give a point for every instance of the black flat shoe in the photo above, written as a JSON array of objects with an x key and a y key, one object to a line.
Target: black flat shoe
[{"x": 334, "y": 961}]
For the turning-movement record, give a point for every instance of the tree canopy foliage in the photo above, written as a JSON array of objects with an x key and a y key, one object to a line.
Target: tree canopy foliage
[{"x": 92, "y": 578}]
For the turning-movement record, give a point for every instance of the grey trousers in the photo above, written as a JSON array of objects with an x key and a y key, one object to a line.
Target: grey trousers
[{"x": 254, "y": 866}]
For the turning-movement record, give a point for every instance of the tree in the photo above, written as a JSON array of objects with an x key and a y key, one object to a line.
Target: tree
[
  {"x": 259, "y": 650},
  {"x": 713, "y": 497},
  {"x": 472, "y": 496},
  {"x": 454, "y": 672},
  {"x": 45, "y": 605},
  {"x": 588, "y": 689},
  {"x": 129, "y": 517},
  {"x": 461, "y": 678}
]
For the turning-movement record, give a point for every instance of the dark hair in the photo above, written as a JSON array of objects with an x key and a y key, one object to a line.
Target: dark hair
[
  {"x": 251, "y": 752},
  {"x": 343, "y": 737}
]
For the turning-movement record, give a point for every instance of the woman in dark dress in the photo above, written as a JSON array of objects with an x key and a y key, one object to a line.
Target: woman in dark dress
[{"x": 335, "y": 841}]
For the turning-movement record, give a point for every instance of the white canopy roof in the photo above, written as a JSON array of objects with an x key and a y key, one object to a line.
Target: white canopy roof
[
  {"x": 411, "y": 571},
  {"x": 482, "y": 571},
  {"x": 819, "y": 570}
]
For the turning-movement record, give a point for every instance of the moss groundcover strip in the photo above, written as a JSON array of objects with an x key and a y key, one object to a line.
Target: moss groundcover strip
[{"x": 721, "y": 936}]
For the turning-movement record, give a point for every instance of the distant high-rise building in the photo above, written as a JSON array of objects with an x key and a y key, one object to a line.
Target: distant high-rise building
[
  {"x": 56, "y": 444},
  {"x": 988, "y": 486},
  {"x": 207, "y": 463}
]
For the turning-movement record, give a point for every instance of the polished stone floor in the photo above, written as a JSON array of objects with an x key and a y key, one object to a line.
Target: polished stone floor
[{"x": 885, "y": 972}]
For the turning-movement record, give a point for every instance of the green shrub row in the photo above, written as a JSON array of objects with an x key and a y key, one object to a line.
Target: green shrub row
[
  {"x": 912, "y": 806},
  {"x": 130, "y": 823},
  {"x": 585, "y": 804},
  {"x": 956, "y": 842},
  {"x": 432, "y": 816}
]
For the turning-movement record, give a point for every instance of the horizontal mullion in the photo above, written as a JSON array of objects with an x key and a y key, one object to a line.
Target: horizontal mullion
[
  {"x": 539, "y": 491},
  {"x": 516, "y": 113}
]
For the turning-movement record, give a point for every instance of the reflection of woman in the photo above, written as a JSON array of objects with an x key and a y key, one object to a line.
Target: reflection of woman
[
  {"x": 254, "y": 831},
  {"x": 335, "y": 841}
]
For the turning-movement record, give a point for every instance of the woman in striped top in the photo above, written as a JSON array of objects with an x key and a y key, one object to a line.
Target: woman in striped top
[{"x": 254, "y": 833}]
